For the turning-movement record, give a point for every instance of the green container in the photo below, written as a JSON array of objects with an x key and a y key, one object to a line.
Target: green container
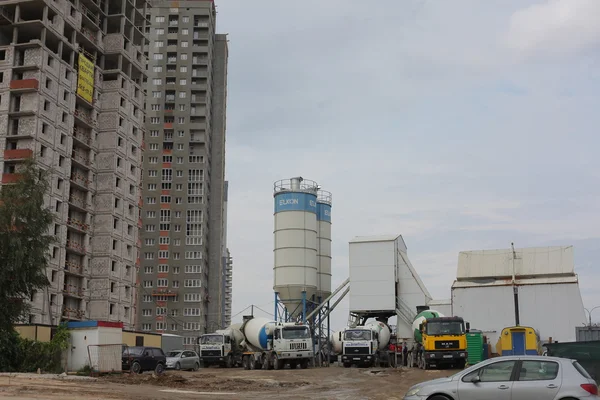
[{"x": 474, "y": 347}]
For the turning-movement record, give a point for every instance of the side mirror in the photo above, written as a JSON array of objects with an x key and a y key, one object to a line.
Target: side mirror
[
  {"x": 468, "y": 325},
  {"x": 146, "y": 354},
  {"x": 475, "y": 379},
  {"x": 340, "y": 336},
  {"x": 421, "y": 327},
  {"x": 183, "y": 356}
]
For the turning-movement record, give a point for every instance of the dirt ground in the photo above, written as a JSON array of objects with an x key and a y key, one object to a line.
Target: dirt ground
[{"x": 214, "y": 383}]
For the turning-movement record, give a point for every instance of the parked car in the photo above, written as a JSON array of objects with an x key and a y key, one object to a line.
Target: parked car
[
  {"x": 183, "y": 359},
  {"x": 512, "y": 378},
  {"x": 138, "y": 359}
]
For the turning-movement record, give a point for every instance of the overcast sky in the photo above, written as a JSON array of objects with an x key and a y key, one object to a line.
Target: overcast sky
[{"x": 461, "y": 125}]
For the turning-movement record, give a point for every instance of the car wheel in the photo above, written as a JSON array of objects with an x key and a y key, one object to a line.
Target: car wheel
[
  {"x": 439, "y": 397},
  {"x": 196, "y": 367},
  {"x": 159, "y": 369},
  {"x": 177, "y": 366},
  {"x": 136, "y": 368}
]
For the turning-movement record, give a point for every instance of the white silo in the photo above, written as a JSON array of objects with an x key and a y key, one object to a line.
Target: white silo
[
  {"x": 323, "y": 244},
  {"x": 295, "y": 234}
]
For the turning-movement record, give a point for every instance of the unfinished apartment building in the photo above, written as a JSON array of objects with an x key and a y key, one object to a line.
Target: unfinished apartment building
[
  {"x": 182, "y": 272},
  {"x": 70, "y": 87}
]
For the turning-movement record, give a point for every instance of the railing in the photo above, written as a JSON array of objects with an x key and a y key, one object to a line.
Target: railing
[
  {"x": 79, "y": 201},
  {"x": 74, "y": 267},
  {"x": 84, "y": 116},
  {"x": 81, "y": 179},
  {"x": 82, "y": 136},
  {"x": 76, "y": 246},
  {"x": 73, "y": 290},
  {"x": 73, "y": 313},
  {"x": 80, "y": 157},
  {"x": 78, "y": 224}
]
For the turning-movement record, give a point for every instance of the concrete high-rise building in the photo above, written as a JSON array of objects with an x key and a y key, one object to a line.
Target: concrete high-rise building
[
  {"x": 184, "y": 169},
  {"x": 227, "y": 272},
  {"x": 71, "y": 97}
]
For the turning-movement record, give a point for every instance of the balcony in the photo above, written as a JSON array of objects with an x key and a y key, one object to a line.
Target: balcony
[
  {"x": 82, "y": 136},
  {"x": 77, "y": 224},
  {"x": 79, "y": 202},
  {"x": 80, "y": 180},
  {"x": 73, "y": 313},
  {"x": 164, "y": 292},
  {"x": 17, "y": 154},
  {"x": 8, "y": 178},
  {"x": 85, "y": 118},
  {"x": 73, "y": 291},
  {"x": 73, "y": 268},
  {"x": 24, "y": 85},
  {"x": 76, "y": 247},
  {"x": 81, "y": 159}
]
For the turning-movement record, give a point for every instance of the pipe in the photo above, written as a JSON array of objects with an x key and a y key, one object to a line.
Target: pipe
[{"x": 336, "y": 291}]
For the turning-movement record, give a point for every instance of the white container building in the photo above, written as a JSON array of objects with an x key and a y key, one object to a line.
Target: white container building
[{"x": 549, "y": 299}]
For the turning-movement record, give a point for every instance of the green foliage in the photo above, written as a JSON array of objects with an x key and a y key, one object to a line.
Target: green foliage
[
  {"x": 24, "y": 243},
  {"x": 24, "y": 355}
]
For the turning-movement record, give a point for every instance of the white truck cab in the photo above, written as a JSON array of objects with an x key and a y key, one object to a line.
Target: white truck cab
[{"x": 359, "y": 346}]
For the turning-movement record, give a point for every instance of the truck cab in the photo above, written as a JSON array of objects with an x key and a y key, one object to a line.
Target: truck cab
[
  {"x": 216, "y": 349},
  {"x": 359, "y": 347},
  {"x": 444, "y": 342}
]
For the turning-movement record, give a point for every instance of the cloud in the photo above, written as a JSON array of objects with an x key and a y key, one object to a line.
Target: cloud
[
  {"x": 420, "y": 121},
  {"x": 555, "y": 27}
]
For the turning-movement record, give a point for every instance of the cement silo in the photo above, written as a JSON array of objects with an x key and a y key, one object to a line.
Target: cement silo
[
  {"x": 323, "y": 245},
  {"x": 295, "y": 254}
]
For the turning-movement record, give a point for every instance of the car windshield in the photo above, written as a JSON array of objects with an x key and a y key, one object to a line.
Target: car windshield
[
  {"x": 356, "y": 334},
  {"x": 445, "y": 328},
  {"x": 211, "y": 339},
  {"x": 136, "y": 351},
  {"x": 299, "y": 332},
  {"x": 173, "y": 354}
]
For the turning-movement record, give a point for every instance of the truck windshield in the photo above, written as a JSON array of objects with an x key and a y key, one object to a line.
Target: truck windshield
[
  {"x": 296, "y": 332},
  {"x": 211, "y": 339},
  {"x": 445, "y": 328},
  {"x": 357, "y": 335}
]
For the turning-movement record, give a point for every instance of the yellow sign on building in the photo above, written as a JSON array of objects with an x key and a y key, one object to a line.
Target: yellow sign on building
[{"x": 85, "y": 80}]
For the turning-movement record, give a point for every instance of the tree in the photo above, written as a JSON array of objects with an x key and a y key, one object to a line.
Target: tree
[{"x": 24, "y": 242}]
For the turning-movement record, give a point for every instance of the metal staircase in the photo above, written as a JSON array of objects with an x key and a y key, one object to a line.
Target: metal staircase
[{"x": 404, "y": 311}]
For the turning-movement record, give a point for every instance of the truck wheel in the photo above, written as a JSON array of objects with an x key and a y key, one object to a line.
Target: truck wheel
[
  {"x": 293, "y": 365},
  {"x": 347, "y": 365},
  {"x": 304, "y": 364},
  {"x": 229, "y": 362},
  {"x": 252, "y": 363},
  {"x": 246, "y": 362},
  {"x": 277, "y": 363}
]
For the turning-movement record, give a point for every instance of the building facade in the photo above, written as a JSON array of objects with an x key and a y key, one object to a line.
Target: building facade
[
  {"x": 71, "y": 75},
  {"x": 184, "y": 168}
]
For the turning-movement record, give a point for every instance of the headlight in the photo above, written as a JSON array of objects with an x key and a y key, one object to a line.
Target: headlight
[{"x": 412, "y": 392}]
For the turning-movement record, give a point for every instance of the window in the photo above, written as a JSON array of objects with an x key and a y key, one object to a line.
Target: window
[
  {"x": 496, "y": 372},
  {"x": 157, "y": 81},
  {"x": 146, "y": 327},
  {"x": 161, "y": 326},
  {"x": 165, "y": 215},
  {"x": 160, "y": 31},
  {"x": 185, "y": 31},
  {"x": 163, "y": 254},
  {"x": 153, "y": 160},
  {"x": 157, "y": 56},
  {"x": 183, "y": 68},
  {"x": 159, "y": 19},
  {"x": 147, "y": 298},
  {"x": 174, "y": 313},
  {"x": 149, "y": 256},
  {"x": 152, "y": 186},
  {"x": 150, "y": 214},
  {"x": 183, "y": 56},
  {"x": 165, "y": 199},
  {"x": 182, "y": 108},
  {"x": 191, "y": 312},
  {"x": 155, "y": 107},
  {"x": 150, "y": 200},
  {"x": 164, "y": 240},
  {"x": 192, "y": 283},
  {"x": 538, "y": 371},
  {"x": 175, "y": 285},
  {"x": 195, "y": 175},
  {"x": 184, "y": 44},
  {"x": 193, "y": 269},
  {"x": 196, "y": 159},
  {"x": 148, "y": 284},
  {"x": 182, "y": 95},
  {"x": 180, "y": 146},
  {"x": 157, "y": 95},
  {"x": 181, "y": 120},
  {"x": 162, "y": 282},
  {"x": 146, "y": 312},
  {"x": 167, "y": 174},
  {"x": 190, "y": 326},
  {"x": 154, "y": 121},
  {"x": 175, "y": 270},
  {"x": 167, "y": 159},
  {"x": 152, "y": 173},
  {"x": 192, "y": 297},
  {"x": 150, "y": 228}
]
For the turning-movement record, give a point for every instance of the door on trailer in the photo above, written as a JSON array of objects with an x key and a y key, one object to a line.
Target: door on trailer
[{"x": 518, "y": 343}]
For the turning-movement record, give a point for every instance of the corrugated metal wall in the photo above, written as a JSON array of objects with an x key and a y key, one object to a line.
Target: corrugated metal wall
[{"x": 587, "y": 334}]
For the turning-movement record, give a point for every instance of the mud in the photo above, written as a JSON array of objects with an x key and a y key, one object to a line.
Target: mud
[{"x": 215, "y": 383}]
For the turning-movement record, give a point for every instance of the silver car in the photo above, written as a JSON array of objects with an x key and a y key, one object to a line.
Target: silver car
[
  {"x": 183, "y": 359},
  {"x": 511, "y": 378}
]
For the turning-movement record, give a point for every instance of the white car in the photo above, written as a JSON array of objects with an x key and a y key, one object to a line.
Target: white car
[
  {"x": 183, "y": 359},
  {"x": 512, "y": 378}
]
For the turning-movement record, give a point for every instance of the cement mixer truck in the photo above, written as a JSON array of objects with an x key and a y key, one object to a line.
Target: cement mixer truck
[
  {"x": 442, "y": 340},
  {"x": 362, "y": 345},
  {"x": 258, "y": 343}
]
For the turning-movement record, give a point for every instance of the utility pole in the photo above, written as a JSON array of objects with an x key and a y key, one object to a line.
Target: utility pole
[{"x": 515, "y": 287}]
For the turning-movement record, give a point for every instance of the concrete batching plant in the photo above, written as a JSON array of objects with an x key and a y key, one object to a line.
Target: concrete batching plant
[{"x": 302, "y": 254}]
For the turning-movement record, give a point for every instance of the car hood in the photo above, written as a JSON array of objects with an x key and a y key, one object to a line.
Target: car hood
[
  {"x": 172, "y": 359},
  {"x": 430, "y": 383}
]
